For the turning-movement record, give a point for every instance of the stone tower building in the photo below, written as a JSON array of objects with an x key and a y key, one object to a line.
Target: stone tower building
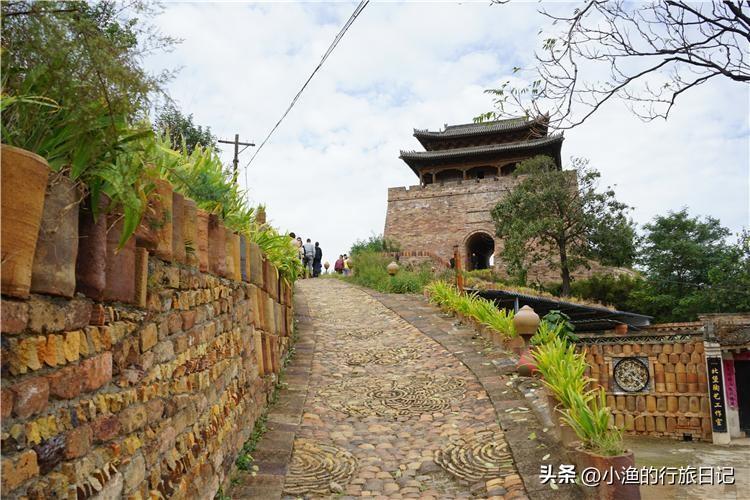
[{"x": 463, "y": 173}]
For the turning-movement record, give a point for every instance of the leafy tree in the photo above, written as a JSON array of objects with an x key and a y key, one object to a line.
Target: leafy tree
[
  {"x": 645, "y": 53},
  {"x": 690, "y": 268},
  {"x": 560, "y": 218},
  {"x": 730, "y": 278},
  {"x": 610, "y": 289},
  {"x": 181, "y": 128},
  {"x": 374, "y": 244},
  {"x": 84, "y": 52}
]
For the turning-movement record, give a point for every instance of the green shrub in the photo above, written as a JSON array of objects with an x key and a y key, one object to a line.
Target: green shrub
[
  {"x": 374, "y": 244},
  {"x": 370, "y": 270},
  {"x": 562, "y": 368},
  {"x": 482, "y": 310}
]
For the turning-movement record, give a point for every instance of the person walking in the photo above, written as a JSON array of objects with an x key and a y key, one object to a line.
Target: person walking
[
  {"x": 338, "y": 266},
  {"x": 346, "y": 265},
  {"x": 309, "y": 255},
  {"x": 317, "y": 259}
]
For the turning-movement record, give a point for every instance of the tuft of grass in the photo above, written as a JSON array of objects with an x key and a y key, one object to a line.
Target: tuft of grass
[
  {"x": 482, "y": 310},
  {"x": 370, "y": 271}
]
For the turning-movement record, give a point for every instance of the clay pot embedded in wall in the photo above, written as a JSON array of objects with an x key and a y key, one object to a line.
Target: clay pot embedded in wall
[
  {"x": 23, "y": 185},
  {"x": 163, "y": 220},
  {"x": 54, "y": 268},
  {"x": 256, "y": 264},
  {"x": 201, "y": 235},
  {"x": 229, "y": 254},
  {"x": 244, "y": 260},
  {"x": 178, "y": 241},
  {"x": 217, "y": 250},
  {"x": 236, "y": 257},
  {"x": 120, "y": 264},
  {"x": 91, "y": 264},
  {"x": 190, "y": 231},
  {"x": 147, "y": 232}
]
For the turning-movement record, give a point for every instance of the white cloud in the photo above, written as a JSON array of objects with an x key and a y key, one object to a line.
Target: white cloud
[{"x": 326, "y": 171}]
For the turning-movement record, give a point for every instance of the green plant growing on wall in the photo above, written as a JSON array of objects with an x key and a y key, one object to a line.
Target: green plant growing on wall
[{"x": 557, "y": 323}]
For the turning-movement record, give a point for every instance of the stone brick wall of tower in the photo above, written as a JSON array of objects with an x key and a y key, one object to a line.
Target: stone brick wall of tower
[
  {"x": 114, "y": 401},
  {"x": 438, "y": 216},
  {"x": 435, "y": 217}
]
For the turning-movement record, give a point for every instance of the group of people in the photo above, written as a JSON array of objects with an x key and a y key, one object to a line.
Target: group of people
[
  {"x": 341, "y": 266},
  {"x": 310, "y": 255}
]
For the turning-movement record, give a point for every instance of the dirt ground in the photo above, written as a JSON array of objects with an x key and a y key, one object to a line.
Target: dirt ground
[{"x": 668, "y": 453}]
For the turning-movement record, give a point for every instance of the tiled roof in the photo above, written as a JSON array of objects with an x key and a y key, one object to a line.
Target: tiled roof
[
  {"x": 478, "y": 150},
  {"x": 469, "y": 129}
]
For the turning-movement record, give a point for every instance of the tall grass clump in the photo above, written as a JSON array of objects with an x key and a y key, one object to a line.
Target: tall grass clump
[
  {"x": 585, "y": 411},
  {"x": 482, "y": 310},
  {"x": 370, "y": 271}
]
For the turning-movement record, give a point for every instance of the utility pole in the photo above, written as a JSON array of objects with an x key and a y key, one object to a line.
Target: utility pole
[{"x": 237, "y": 144}]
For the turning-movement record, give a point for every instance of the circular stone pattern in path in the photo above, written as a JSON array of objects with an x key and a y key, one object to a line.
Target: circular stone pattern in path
[
  {"x": 391, "y": 356},
  {"x": 384, "y": 397},
  {"x": 315, "y": 466},
  {"x": 480, "y": 455}
]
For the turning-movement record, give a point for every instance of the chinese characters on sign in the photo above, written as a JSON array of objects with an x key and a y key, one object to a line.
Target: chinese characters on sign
[
  {"x": 644, "y": 476},
  {"x": 716, "y": 393}
]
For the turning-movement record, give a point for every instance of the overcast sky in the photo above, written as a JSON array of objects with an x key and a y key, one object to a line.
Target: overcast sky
[{"x": 325, "y": 172}]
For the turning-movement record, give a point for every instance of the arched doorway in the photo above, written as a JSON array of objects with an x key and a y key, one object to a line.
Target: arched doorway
[{"x": 479, "y": 249}]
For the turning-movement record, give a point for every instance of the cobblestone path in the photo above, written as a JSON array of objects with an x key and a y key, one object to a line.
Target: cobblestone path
[
  {"x": 390, "y": 412},
  {"x": 376, "y": 406}
]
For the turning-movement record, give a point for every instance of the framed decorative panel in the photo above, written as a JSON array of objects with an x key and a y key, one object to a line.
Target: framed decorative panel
[{"x": 631, "y": 374}]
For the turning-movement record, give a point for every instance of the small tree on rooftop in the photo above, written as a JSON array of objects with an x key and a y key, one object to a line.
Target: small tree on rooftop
[{"x": 560, "y": 218}]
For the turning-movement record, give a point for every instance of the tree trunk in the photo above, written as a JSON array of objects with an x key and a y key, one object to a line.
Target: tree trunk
[{"x": 564, "y": 269}]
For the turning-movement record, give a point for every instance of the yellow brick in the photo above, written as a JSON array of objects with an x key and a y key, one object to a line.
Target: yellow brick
[
  {"x": 72, "y": 345},
  {"x": 59, "y": 344}
]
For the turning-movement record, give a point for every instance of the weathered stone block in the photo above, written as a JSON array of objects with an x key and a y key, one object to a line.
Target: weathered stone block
[
  {"x": 188, "y": 319},
  {"x": 105, "y": 428},
  {"x": 65, "y": 383},
  {"x": 23, "y": 355},
  {"x": 14, "y": 316},
  {"x": 78, "y": 442},
  {"x": 30, "y": 396},
  {"x": 7, "y": 403},
  {"x": 149, "y": 337},
  {"x": 132, "y": 418},
  {"x": 18, "y": 470},
  {"x": 134, "y": 472},
  {"x": 96, "y": 371}
]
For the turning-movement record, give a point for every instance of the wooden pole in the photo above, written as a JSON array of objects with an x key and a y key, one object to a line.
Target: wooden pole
[{"x": 457, "y": 268}]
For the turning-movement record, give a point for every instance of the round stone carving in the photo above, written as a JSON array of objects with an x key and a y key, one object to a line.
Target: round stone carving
[
  {"x": 631, "y": 374},
  {"x": 393, "y": 398},
  {"x": 477, "y": 456},
  {"x": 315, "y": 466}
]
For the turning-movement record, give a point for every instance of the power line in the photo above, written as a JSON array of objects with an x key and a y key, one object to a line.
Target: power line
[{"x": 355, "y": 14}]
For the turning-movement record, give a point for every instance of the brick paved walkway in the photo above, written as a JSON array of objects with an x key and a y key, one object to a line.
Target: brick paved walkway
[{"x": 382, "y": 401}]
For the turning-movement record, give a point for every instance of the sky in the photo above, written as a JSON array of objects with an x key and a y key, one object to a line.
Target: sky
[{"x": 325, "y": 172}]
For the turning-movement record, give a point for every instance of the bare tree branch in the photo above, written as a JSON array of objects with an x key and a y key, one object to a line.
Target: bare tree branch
[{"x": 647, "y": 54}]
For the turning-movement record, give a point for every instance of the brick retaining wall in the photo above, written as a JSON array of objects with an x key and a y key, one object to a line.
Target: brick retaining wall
[
  {"x": 675, "y": 401},
  {"x": 138, "y": 402}
]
